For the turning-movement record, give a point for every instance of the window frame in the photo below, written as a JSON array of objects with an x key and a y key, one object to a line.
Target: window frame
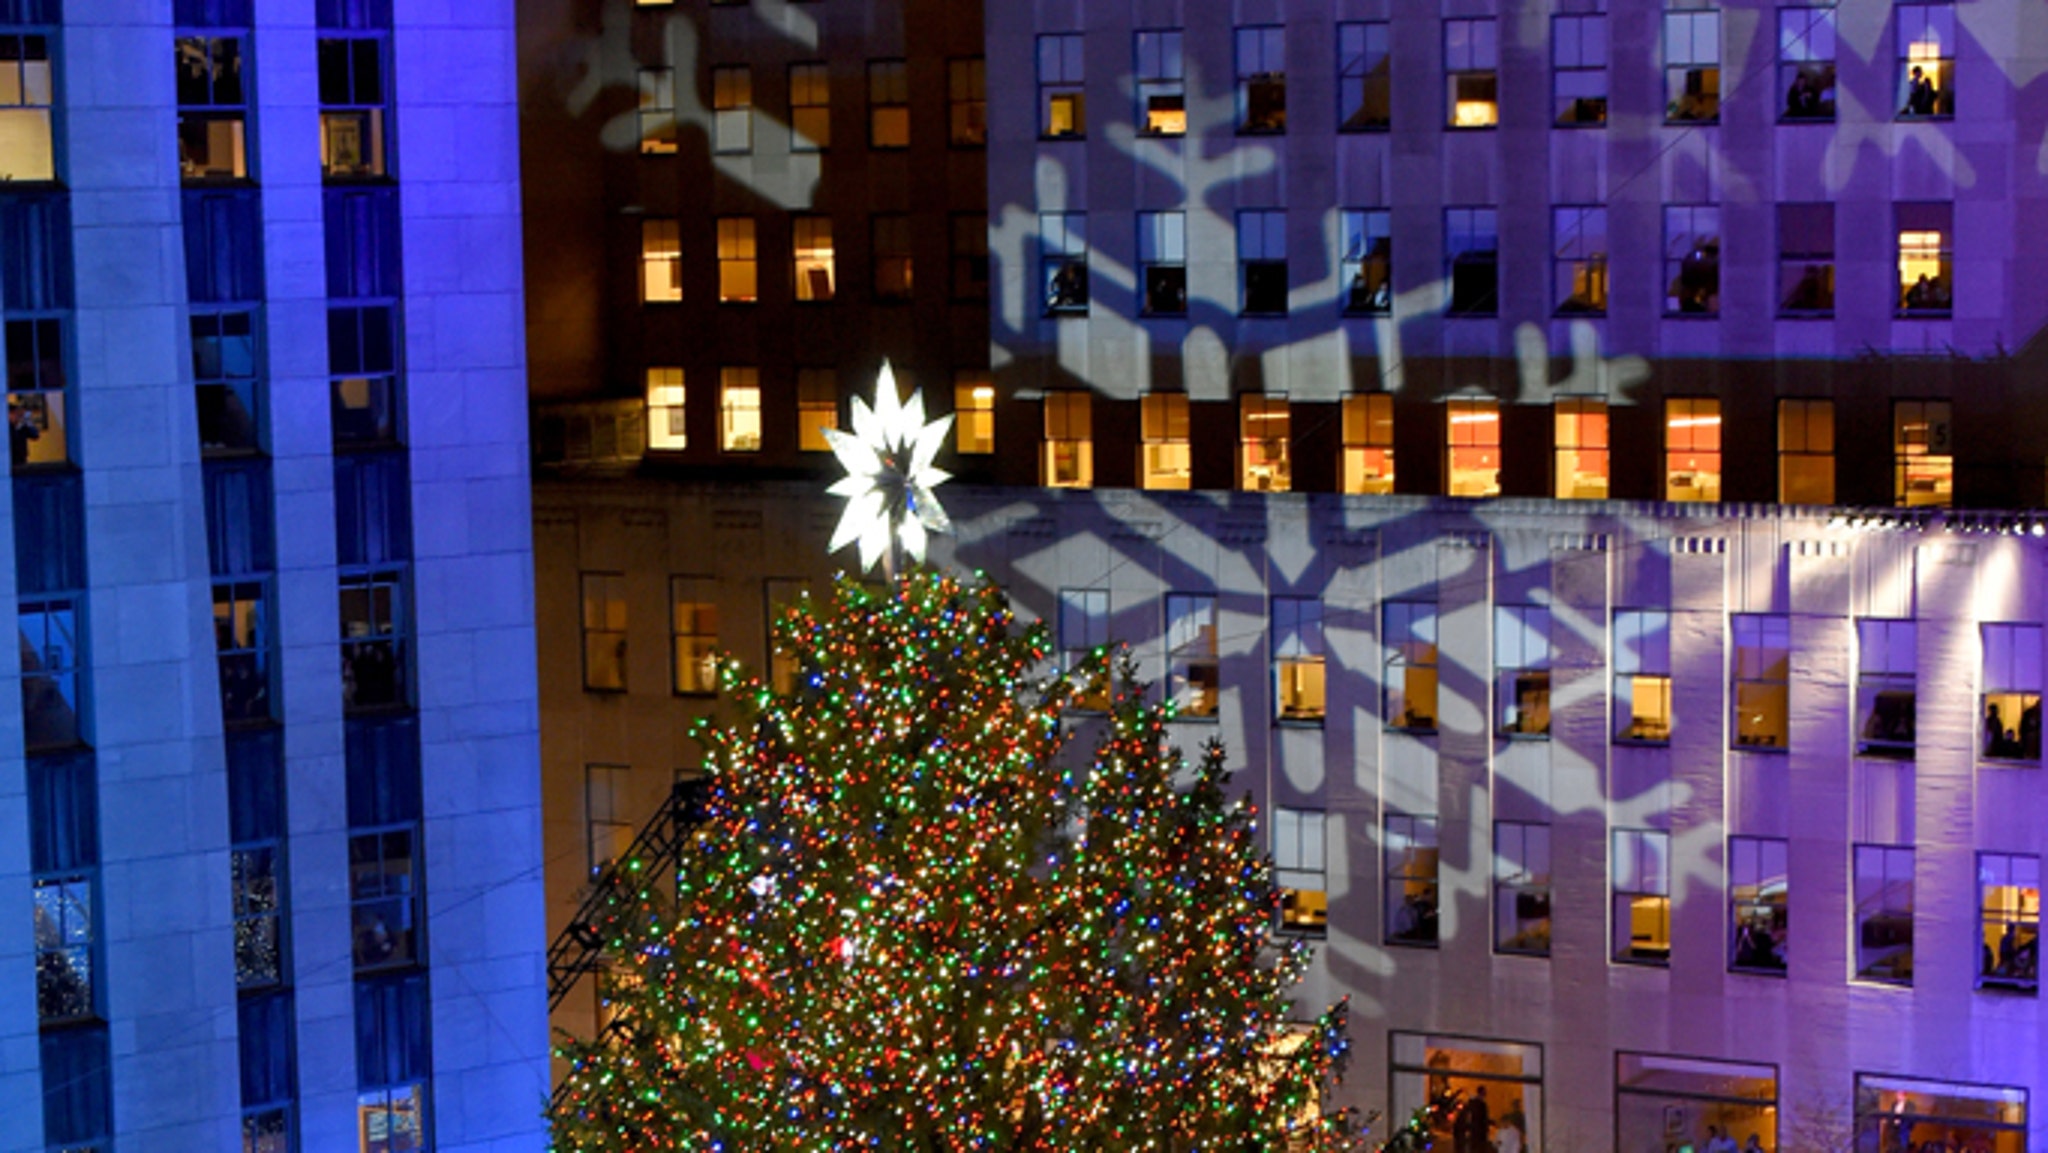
[
  {"x": 1893, "y": 675},
  {"x": 1364, "y": 51},
  {"x": 688, "y": 640},
  {"x": 732, "y": 109},
  {"x": 2013, "y": 968},
  {"x": 1923, "y": 19},
  {"x": 1471, "y": 57},
  {"x": 1521, "y": 663},
  {"x": 1579, "y": 252},
  {"x": 1419, "y": 840},
  {"x": 1759, "y": 923},
  {"x": 2010, "y": 674},
  {"x": 1639, "y": 869},
  {"x": 1063, "y": 262},
  {"x": 1062, "y": 86},
  {"x": 1409, "y": 649},
  {"x": 1165, "y": 455},
  {"x": 1265, "y": 454},
  {"x": 1304, "y": 911},
  {"x": 1888, "y": 857},
  {"x": 1572, "y": 60},
  {"x": 1797, "y": 439},
  {"x": 1163, "y": 263},
  {"x": 1193, "y": 666},
  {"x": 1692, "y": 276},
  {"x": 1301, "y": 658},
  {"x": 1159, "y": 72},
  {"x": 810, "y": 106},
  {"x": 888, "y": 105},
  {"x": 1641, "y": 652},
  {"x": 1514, "y": 879},
  {"x": 1254, "y": 48},
  {"x": 1467, "y": 231},
  {"x": 1692, "y": 62},
  {"x": 1365, "y": 260},
  {"x": 1815, "y": 220},
  {"x": 612, "y": 626},
  {"x": 1756, "y": 681},
  {"x": 1690, "y": 456},
  {"x": 1367, "y": 442}
]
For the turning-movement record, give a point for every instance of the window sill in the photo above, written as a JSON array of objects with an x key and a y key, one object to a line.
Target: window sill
[
  {"x": 1692, "y": 315},
  {"x": 2008, "y": 988},
  {"x": 1162, "y": 316},
  {"x": 1290, "y": 934},
  {"x": 1794, "y": 121},
  {"x": 1369, "y": 312},
  {"x": 1250, "y": 315},
  {"x": 1577, "y": 125},
  {"x": 1563, "y": 313},
  {"x": 1517, "y": 735},
  {"x": 1298, "y": 722},
  {"x": 605, "y": 691},
  {"x": 1874, "y": 982},
  {"x": 1458, "y": 315},
  {"x": 1777, "y": 974},
  {"x": 1461, "y": 129},
  {"x": 1773, "y": 750},
  {"x": 1533, "y": 954},
  {"x": 1398, "y": 943},
  {"x": 1181, "y": 718},
  {"x": 1369, "y": 129},
  {"x": 695, "y": 694},
  {"x": 1413, "y": 730},
  {"x": 1703, "y": 122},
  {"x": 1936, "y": 117},
  {"x": 1924, "y": 314},
  {"x": 1247, "y": 130},
  {"x": 1067, "y": 314},
  {"x": 361, "y": 712},
  {"x": 954, "y": 145},
  {"x": 1818, "y": 314},
  {"x": 1644, "y": 742},
  {"x": 2010, "y": 762},
  {"x": 1886, "y": 752},
  {"x": 1049, "y": 137},
  {"x": 1661, "y": 963}
]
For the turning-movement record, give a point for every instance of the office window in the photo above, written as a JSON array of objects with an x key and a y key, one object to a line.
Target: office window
[
  {"x": 1692, "y": 66},
  {"x": 223, "y": 377},
  {"x": 1578, "y": 63},
  {"x": 52, "y": 649},
  {"x": 1674, "y": 1100},
  {"x": 1926, "y": 236},
  {"x": 606, "y": 831},
  {"x": 384, "y": 897},
  {"x": 1063, "y": 255},
  {"x": 1472, "y": 249},
  {"x": 888, "y": 104},
  {"x": 1806, "y": 259},
  {"x": 738, "y": 271},
  {"x": 64, "y": 934},
  {"x": 778, "y": 595},
  {"x": 1261, "y": 79},
  {"x": 1502, "y": 1079},
  {"x": 1365, "y": 86},
  {"x": 255, "y": 862},
  {"x": 661, "y": 262},
  {"x": 967, "y": 102},
  {"x": 604, "y": 632},
  {"x": 77, "y": 1090},
  {"x": 739, "y": 409},
  {"x": 1165, "y": 460},
  {"x": 1262, "y": 261},
  {"x": 693, "y": 634},
  {"x": 1408, "y": 640},
  {"x": 1806, "y": 62},
  {"x": 1692, "y": 449},
  {"x": 1927, "y": 61},
  {"x": 1473, "y": 448},
  {"x": 891, "y": 257},
  {"x": 1069, "y": 460},
  {"x": 2012, "y": 692},
  {"x": 1521, "y": 888},
  {"x": 1642, "y": 675},
  {"x": 1884, "y": 913},
  {"x": 1299, "y": 870},
  {"x": 1521, "y": 662},
  {"x": 1887, "y": 662},
  {"x": 1692, "y": 260},
  {"x": 1163, "y": 262},
  {"x": 213, "y": 108},
  {"x": 38, "y": 433},
  {"x": 241, "y": 638},
  {"x": 1763, "y": 672},
  {"x": 1263, "y": 430},
  {"x": 1062, "y": 105},
  {"x": 970, "y": 256},
  {"x": 2009, "y": 927},
  {"x": 666, "y": 429},
  {"x": 810, "y": 108},
  {"x": 1642, "y": 896},
  {"x": 365, "y": 404},
  {"x": 26, "y": 98},
  {"x": 732, "y": 109},
  {"x": 1898, "y": 1113},
  {"x": 1298, "y": 671},
  {"x": 1367, "y": 260},
  {"x": 811, "y": 250},
  {"x": 1582, "y": 467},
  {"x": 392, "y": 1064},
  {"x": 1472, "y": 73},
  {"x": 1411, "y": 861},
  {"x": 1368, "y": 432},
  {"x": 374, "y": 661},
  {"x": 264, "y": 1037},
  {"x": 1579, "y": 260},
  {"x": 1162, "y": 84},
  {"x": 1757, "y": 904},
  {"x": 1193, "y": 675},
  {"x": 1806, "y": 451},
  {"x": 1922, "y": 454},
  {"x": 817, "y": 407},
  {"x": 353, "y": 97},
  {"x": 974, "y": 413},
  {"x": 1084, "y": 631}
]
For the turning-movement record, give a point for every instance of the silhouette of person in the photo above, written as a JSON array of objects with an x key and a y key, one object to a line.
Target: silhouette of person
[{"x": 22, "y": 427}]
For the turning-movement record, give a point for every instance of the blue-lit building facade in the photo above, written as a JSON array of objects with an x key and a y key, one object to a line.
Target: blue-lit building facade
[{"x": 269, "y": 806}]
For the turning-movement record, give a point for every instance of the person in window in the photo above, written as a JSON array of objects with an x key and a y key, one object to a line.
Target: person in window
[
  {"x": 1069, "y": 287},
  {"x": 1801, "y": 101},
  {"x": 22, "y": 427},
  {"x": 1920, "y": 94},
  {"x": 1921, "y": 295},
  {"x": 1752, "y": 1145}
]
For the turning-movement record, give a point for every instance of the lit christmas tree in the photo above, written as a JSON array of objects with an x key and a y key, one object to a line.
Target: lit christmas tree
[{"x": 911, "y": 920}]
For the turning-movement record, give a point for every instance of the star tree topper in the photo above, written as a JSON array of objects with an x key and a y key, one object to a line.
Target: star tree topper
[{"x": 889, "y": 476}]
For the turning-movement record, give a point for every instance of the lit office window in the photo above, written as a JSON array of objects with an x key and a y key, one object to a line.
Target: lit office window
[
  {"x": 1521, "y": 662},
  {"x": 1408, "y": 640},
  {"x": 1299, "y": 871},
  {"x": 1692, "y": 66},
  {"x": 1806, "y": 259},
  {"x": 1366, "y": 260},
  {"x": 1165, "y": 459},
  {"x": 1411, "y": 878},
  {"x": 1692, "y": 449},
  {"x": 811, "y": 251},
  {"x": 1369, "y": 443},
  {"x": 1521, "y": 888},
  {"x": 1365, "y": 77},
  {"x": 1641, "y": 865},
  {"x": 1578, "y": 63},
  {"x": 1579, "y": 260},
  {"x": 1757, "y": 906},
  {"x": 661, "y": 262},
  {"x": 817, "y": 407},
  {"x": 1261, "y": 79},
  {"x": 26, "y": 152},
  {"x": 666, "y": 428},
  {"x": 1955, "y": 1115},
  {"x": 1926, "y": 238},
  {"x": 1927, "y": 61},
  {"x": 1263, "y": 430},
  {"x": 1298, "y": 670},
  {"x": 967, "y": 102},
  {"x": 1472, "y": 73},
  {"x": 1062, "y": 105},
  {"x": 1884, "y": 913},
  {"x": 213, "y": 107},
  {"x": 732, "y": 109},
  {"x": 1063, "y": 259},
  {"x": 2012, "y": 692},
  {"x": 1473, "y": 448},
  {"x": 1069, "y": 460},
  {"x": 738, "y": 271},
  {"x": 2009, "y": 925},
  {"x": 1692, "y": 260},
  {"x": 1924, "y": 463},
  {"x": 1582, "y": 467},
  {"x": 1472, "y": 254},
  {"x": 1664, "y": 1099},
  {"x": 1642, "y": 676},
  {"x": 353, "y": 98},
  {"x": 1193, "y": 675},
  {"x": 1887, "y": 666},
  {"x": 888, "y": 104},
  {"x": 693, "y": 634},
  {"x": 1162, "y": 83},
  {"x": 1806, "y": 63},
  {"x": 1762, "y": 681},
  {"x": 739, "y": 409},
  {"x": 810, "y": 108},
  {"x": 1163, "y": 262},
  {"x": 974, "y": 413},
  {"x": 1806, "y": 451}
]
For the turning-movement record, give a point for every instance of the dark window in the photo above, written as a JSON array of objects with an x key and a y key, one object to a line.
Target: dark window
[
  {"x": 1365, "y": 79},
  {"x": 1578, "y": 60},
  {"x": 213, "y": 108},
  {"x": 892, "y": 257},
  {"x": 35, "y": 232},
  {"x": 1521, "y": 888},
  {"x": 967, "y": 102},
  {"x": 225, "y": 383},
  {"x": 1262, "y": 261},
  {"x": 1579, "y": 260},
  {"x": 352, "y": 99},
  {"x": 362, "y": 243},
  {"x": 383, "y": 758},
  {"x": 392, "y": 1059},
  {"x": 1887, "y": 658},
  {"x": 63, "y": 810},
  {"x": 51, "y": 650},
  {"x": 223, "y": 246},
  {"x": 1763, "y": 676},
  {"x": 49, "y": 534},
  {"x": 213, "y": 13},
  {"x": 264, "y": 1028},
  {"x": 353, "y": 15},
  {"x": 1411, "y": 870},
  {"x": 1692, "y": 260},
  {"x": 362, "y": 349},
  {"x": 373, "y": 509},
  {"x": 1472, "y": 248},
  {"x": 238, "y": 518},
  {"x": 1261, "y": 79},
  {"x": 970, "y": 257},
  {"x": 1367, "y": 260},
  {"x": 1806, "y": 259},
  {"x": 384, "y": 897},
  {"x": 1064, "y": 253},
  {"x": 78, "y": 1111},
  {"x": 1884, "y": 913},
  {"x": 1163, "y": 262},
  {"x": 374, "y": 633}
]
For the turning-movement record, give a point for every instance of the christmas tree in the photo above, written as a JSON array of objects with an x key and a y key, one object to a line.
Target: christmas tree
[{"x": 914, "y": 919}]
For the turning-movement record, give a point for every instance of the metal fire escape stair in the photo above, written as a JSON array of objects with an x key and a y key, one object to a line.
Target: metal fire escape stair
[{"x": 656, "y": 851}]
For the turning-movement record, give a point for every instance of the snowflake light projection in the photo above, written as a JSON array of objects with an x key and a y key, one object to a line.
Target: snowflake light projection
[{"x": 889, "y": 476}]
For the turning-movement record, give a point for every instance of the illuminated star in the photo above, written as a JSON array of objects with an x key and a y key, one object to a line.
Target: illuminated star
[{"x": 889, "y": 475}]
